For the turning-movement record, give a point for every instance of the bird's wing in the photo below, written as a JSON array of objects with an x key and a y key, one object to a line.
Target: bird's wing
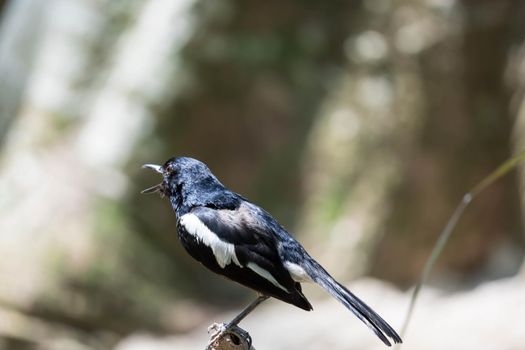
[
  {"x": 229, "y": 225},
  {"x": 240, "y": 237}
]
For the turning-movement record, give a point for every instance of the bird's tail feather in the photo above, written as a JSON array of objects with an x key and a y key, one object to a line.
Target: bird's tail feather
[{"x": 352, "y": 302}]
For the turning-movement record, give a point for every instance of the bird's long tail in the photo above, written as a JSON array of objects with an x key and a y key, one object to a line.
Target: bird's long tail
[{"x": 352, "y": 302}]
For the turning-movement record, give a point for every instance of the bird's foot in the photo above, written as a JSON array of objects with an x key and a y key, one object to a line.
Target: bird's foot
[{"x": 236, "y": 335}]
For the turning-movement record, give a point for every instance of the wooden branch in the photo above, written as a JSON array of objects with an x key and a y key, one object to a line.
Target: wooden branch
[{"x": 235, "y": 339}]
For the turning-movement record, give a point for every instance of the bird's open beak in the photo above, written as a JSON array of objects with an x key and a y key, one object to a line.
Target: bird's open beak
[
  {"x": 155, "y": 167},
  {"x": 156, "y": 188}
]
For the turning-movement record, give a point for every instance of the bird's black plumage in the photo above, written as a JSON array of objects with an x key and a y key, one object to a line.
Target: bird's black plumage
[{"x": 241, "y": 241}]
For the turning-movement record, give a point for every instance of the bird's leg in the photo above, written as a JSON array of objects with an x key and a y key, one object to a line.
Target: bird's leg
[
  {"x": 227, "y": 327},
  {"x": 245, "y": 312}
]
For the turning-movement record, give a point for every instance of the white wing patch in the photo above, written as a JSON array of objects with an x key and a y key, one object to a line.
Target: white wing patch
[
  {"x": 224, "y": 252},
  {"x": 297, "y": 272},
  {"x": 265, "y": 274}
]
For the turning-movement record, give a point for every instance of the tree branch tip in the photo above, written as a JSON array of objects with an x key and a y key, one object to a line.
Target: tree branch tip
[{"x": 234, "y": 339}]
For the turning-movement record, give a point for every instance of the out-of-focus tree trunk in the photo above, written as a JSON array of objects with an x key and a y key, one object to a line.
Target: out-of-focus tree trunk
[
  {"x": 2, "y": 6},
  {"x": 356, "y": 152},
  {"x": 18, "y": 44},
  {"x": 516, "y": 81},
  {"x": 364, "y": 135}
]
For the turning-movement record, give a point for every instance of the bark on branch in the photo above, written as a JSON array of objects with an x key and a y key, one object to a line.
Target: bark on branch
[{"x": 235, "y": 339}]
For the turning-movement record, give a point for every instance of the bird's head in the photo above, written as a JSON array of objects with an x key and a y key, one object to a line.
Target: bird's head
[{"x": 179, "y": 173}]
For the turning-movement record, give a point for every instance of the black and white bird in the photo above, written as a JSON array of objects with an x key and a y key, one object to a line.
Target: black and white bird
[{"x": 241, "y": 241}]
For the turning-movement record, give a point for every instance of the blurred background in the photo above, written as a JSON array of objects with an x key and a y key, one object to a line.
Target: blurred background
[{"x": 358, "y": 124}]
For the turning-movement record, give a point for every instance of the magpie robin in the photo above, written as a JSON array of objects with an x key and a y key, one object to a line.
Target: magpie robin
[{"x": 241, "y": 241}]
